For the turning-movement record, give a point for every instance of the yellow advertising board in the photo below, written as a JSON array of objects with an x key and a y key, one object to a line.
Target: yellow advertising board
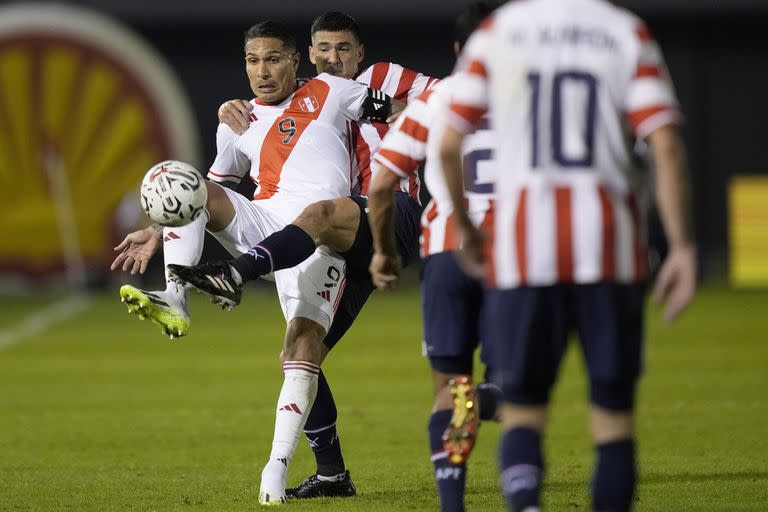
[
  {"x": 86, "y": 107},
  {"x": 748, "y": 227}
]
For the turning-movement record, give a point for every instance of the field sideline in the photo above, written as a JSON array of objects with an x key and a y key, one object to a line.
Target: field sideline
[{"x": 100, "y": 412}]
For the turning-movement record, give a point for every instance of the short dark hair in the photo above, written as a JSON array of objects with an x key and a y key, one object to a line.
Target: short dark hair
[
  {"x": 272, "y": 29},
  {"x": 335, "y": 21},
  {"x": 472, "y": 16}
]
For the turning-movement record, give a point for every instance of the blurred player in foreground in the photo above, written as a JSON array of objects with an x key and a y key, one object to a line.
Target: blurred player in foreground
[
  {"x": 337, "y": 49},
  {"x": 451, "y": 301},
  {"x": 297, "y": 126},
  {"x": 568, "y": 84}
]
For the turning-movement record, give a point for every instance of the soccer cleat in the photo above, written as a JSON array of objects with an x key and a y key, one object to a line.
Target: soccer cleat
[
  {"x": 272, "y": 489},
  {"x": 265, "y": 500},
  {"x": 212, "y": 279},
  {"x": 460, "y": 435},
  {"x": 313, "y": 487},
  {"x": 160, "y": 307}
]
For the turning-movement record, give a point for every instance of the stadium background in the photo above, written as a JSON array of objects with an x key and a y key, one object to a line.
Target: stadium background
[{"x": 101, "y": 413}]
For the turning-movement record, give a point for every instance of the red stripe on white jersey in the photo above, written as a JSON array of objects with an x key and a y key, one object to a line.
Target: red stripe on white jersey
[
  {"x": 379, "y": 74},
  {"x": 648, "y": 71},
  {"x": 608, "y": 265},
  {"x": 643, "y": 34},
  {"x": 363, "y": 155},
  {"x": 400, "y": 163},
  {"x": 520, "y": 226},
  {"x": 564, "y": 236},
  {"x": 476, "y": 67},
  {"x": 414, "y": 129},
  {"x": 404, "y": 86},
  {"x": 278, "y": 145}
]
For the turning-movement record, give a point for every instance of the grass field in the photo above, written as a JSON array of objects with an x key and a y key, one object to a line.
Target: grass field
[{"x": 99, "y": 412}]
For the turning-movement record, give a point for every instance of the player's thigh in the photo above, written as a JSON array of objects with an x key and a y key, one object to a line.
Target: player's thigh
[
  {"x": 358, "y": 256},
  {"x": 250, "y": 225},
  {"x": 451, "y": 305},
  {"x": 313, "y": 288},
  {"x": 527, "y": 333},
  {"x": 353, "y": 297},
  {"x": 609, "y": 317}
]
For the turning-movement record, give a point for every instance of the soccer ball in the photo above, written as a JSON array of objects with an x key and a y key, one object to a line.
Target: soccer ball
[{"x": 173, "y": 193}]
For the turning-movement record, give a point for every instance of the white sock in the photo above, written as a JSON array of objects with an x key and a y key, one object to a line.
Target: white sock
[
  {"x": 293, "y": 406},
  {"x": 183, "y": 246}
]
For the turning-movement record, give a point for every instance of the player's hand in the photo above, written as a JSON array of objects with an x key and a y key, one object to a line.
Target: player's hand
[
  {"x": 236, "y": 115},
  {"x": 137, "y": 249},
  {"x": 471, "y": 256},
  {"x": 676, "y": 282},
  {"x": 396, "y": 109},
  {"x": 385, "y": 270}
]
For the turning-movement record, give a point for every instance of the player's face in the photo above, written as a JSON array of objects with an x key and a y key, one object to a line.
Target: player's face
[
  {"x": 336, "y": 53},
  {"x": 271, "y": 68}
]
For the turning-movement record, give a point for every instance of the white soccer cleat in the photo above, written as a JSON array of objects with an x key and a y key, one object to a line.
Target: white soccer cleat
[{"x": 273, "y": 478}]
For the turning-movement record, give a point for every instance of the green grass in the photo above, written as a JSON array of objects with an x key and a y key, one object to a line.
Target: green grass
[{"x": 102, "y": 413}]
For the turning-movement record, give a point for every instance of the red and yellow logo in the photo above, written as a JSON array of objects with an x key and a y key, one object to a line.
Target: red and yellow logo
[{"x": 86, "y": 107}]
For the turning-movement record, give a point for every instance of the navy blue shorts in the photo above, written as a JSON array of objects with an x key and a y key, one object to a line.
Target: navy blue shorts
[
  {"x": 407, "y": 231},
  {"x": 528, "y": 333},
  {"x": 358, "y": 258},
  {"x": 452, "y": 305}
]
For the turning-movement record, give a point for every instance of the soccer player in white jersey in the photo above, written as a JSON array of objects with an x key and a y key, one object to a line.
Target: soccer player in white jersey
[
  {"x": 569, "y": 84},
  {"x": 452, "y": 302},
  {"x": 297, "y": 129},
  {"x": 337, "y": 49}
]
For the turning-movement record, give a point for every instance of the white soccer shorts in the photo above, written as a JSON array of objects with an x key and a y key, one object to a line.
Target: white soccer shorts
[{"x": 313, "y": 288}]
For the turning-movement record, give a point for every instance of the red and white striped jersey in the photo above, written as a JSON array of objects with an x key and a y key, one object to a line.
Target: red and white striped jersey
[
  {"x": 570, "y": 85},
  {"x": 414, "y": 140},
  {"x": 297, "y": 151},
  {"x": 401, "y": 84}
]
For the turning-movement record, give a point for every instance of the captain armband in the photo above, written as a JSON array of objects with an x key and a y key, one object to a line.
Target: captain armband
[{"x": 377, "y": 106}]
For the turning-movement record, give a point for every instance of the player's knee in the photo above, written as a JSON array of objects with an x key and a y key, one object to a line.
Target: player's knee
[
  {"x": 303, "y": 341},
  {"x": 613, "y": 395},
  {"x": 317, "y": 217}
]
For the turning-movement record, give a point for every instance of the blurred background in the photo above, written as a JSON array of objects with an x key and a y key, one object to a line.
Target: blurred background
[{"x": 92, "y": 93}]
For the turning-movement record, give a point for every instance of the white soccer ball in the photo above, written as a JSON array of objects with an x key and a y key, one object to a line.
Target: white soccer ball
[{"x": 173, "y": 193}]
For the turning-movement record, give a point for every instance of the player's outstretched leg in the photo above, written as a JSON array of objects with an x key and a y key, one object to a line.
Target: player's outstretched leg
[
  {"x": 162, "y": 308},
  {"x": 460, "y": 435},
  {"x": 219, "y": 280}
]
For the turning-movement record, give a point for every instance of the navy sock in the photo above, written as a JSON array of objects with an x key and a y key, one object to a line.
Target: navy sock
[
  {"x": 320, "y": 430},
  {"x": 522, "y": 467},
  {"x": 490, "y": 397},
  {"x": 613, "y": 484},
  {"x": 450, "y": 478},
  {"x": 282, "y": 249}
]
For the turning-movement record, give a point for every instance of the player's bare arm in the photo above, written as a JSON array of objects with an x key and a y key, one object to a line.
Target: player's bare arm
[
  {"x": 137, "y": 249},
  {"x": 236, "y": 115},
  {"x": 676, "y": 282},
  {"x": 385, "y": 265},
  {"x": 471, "y": 253}
]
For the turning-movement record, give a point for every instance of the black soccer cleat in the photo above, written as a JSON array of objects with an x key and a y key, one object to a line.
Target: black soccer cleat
[
  {"x": 212, "y": 279},
  {"x": 313, "y": 487}
]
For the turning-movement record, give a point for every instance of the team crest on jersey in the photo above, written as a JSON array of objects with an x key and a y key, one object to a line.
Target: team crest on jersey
[{"x": 309, "y": 104}]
